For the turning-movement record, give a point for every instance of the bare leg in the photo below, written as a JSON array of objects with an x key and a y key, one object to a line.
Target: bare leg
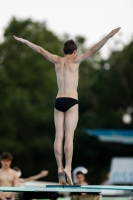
[
  {"x": 58, "y": 150},
  {"x": 71, "y": 120}
]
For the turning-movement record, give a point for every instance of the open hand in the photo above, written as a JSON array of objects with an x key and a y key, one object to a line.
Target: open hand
[
  {"x": 114, "y": 31},
  {"x": 20, "y": 39}
]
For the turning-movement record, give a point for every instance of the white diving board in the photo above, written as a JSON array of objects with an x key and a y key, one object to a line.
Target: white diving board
[{"x": 67, "y": 188}]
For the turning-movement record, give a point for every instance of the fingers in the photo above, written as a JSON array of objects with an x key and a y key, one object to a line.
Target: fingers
[
  {"x": 114, "y": 31},
  {"x": 15, "y": 37},
  {"x": 117, "y": 29}
]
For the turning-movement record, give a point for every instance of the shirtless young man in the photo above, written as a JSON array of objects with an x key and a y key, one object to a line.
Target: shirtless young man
[
  {"x": 66, "y": 104},
  {"x": 8, "y": 177}
]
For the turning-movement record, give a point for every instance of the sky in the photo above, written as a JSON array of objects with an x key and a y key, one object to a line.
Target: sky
[{"x": 92, "y": 19}]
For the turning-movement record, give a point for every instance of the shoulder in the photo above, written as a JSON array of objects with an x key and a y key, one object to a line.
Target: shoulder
[
  {"x": 14, "y": 172},
  {"x": 58, "y": 58},
  {"x": 1, "y": 171},
  {"x": 78, "y": 58},
  {"x": 54, "y": 58}
]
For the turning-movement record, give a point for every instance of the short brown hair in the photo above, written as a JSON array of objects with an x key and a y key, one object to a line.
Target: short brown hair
[
  {"x": 6, "y": 155},
  {"x": 69, "y": 47},
  {"x": 80, "y": 173}
]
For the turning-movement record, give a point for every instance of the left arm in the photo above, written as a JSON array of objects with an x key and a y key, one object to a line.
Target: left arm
[
  {"x": 97, "y": 46},
  {"x": 35, "y": 177},
  {"x": 16, "y": 180}
]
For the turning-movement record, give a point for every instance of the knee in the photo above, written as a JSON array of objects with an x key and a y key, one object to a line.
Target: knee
[
  {"x": 59, "y": 137},
  {"x": 68, "y": 144},
  {"x": 68, "y": 140},
  {"x": 69, "y": 136},
  {"x": 58, "y": 141}
]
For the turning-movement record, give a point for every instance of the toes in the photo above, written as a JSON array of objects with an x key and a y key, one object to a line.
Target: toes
[{"x": 69, "y": 180}]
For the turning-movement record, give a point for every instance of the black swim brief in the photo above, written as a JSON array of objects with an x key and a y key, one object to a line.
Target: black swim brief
[{"x": 65, "y": 103}]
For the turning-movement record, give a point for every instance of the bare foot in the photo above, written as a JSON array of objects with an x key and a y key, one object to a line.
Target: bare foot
[
  {"x": 62, "y": 179},
  {"x": 68, "y": 175}
]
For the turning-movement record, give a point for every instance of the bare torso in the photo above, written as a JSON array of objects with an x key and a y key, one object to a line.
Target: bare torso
[
  {"x": 7, "y": 178},
  {"x": 67, "y": 76}
]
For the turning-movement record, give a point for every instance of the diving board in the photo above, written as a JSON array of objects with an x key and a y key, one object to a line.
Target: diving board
[
  {"x": 48, "y": 192},
  {"x": 66, "y": 188},
  {"x": 108, "y": 187},
  {"x": 51, "y": 191},
  {"x": 51, "y": 188}
]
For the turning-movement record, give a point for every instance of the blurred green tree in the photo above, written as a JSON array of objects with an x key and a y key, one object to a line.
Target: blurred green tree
[
  {"x": 106, "y": 90},
  {"x": 105, "y": 94}
]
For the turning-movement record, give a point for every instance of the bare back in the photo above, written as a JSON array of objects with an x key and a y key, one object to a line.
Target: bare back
[
  {"x": 67, "y": 76},
  {"x": 67, "y": 67}
]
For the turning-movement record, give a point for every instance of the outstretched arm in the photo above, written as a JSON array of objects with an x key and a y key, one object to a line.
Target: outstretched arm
[
  {"x": 35, "y": 177},
  {"x": 46, "y": 54},
  {"x": 97, "y": 46}
]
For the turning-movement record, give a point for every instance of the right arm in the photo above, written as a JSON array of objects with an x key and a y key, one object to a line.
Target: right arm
[{"x": 38, "y": 49}]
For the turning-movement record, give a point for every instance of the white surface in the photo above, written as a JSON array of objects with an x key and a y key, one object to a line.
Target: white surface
[
  {"x": 90, "y": 18},
  {"x": 39, "y": 183},
  {"x": 113, "y": 192},
  {"x": 117, "y": 139},
  {"x": 121, "y": 170}
]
